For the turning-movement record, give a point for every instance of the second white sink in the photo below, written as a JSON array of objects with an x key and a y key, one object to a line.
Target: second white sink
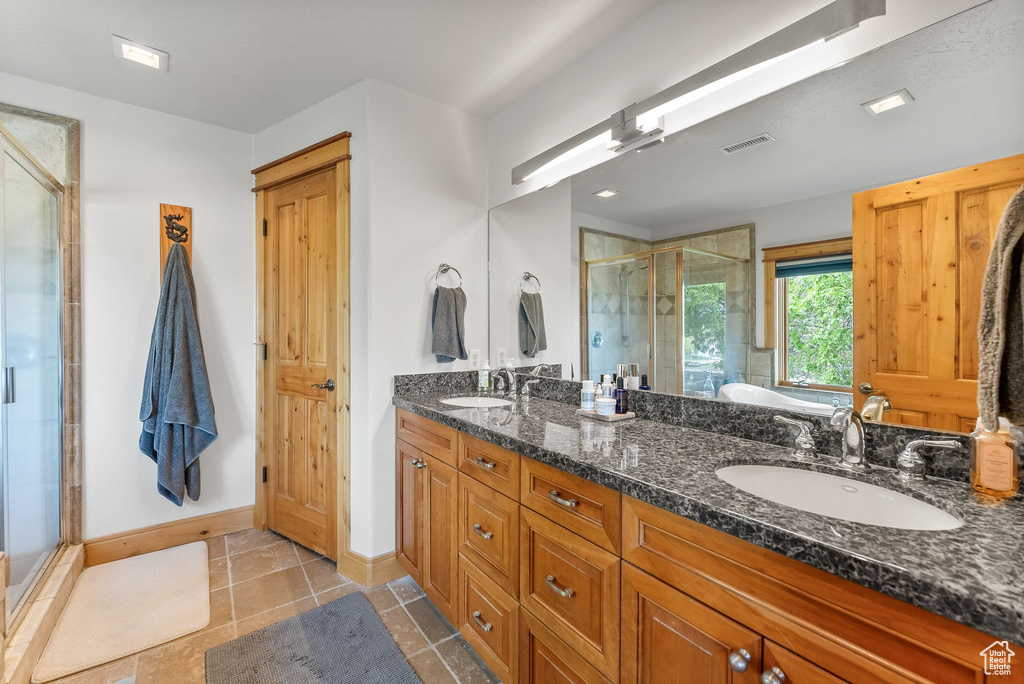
[
  {"x": 476, "y": 402},
  {"x": 837, "y": 497}
]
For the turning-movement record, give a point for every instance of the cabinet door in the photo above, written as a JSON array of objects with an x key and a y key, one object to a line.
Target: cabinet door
[
  {"x": 669, "y": 637},
  {"x": 440, "y": 534},
  {"x": 409, "y": 513},
  {"x": 546, "y": 659},
  {"x": 782, "y": 665}
]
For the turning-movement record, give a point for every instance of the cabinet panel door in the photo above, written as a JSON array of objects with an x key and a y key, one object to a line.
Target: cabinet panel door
[
  {"x": 790, "y": 668},
  {"x": 546, "y": 659},
  {"x": 409, "y": 513},
  {"x": 440, "y": 530},
  {"x": 669, "y": 637}
]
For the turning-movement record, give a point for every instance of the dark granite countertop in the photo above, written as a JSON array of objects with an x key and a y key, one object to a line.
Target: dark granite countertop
[{"x": 973, "y": 574}]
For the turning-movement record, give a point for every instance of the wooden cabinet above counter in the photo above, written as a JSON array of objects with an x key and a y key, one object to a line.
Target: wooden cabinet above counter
[{"x": 564, "y": 580}]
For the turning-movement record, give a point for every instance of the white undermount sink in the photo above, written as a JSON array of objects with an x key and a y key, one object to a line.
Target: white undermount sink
[
  {"x": 837, "y": 497},
  {"x": 476, "y": 402}
]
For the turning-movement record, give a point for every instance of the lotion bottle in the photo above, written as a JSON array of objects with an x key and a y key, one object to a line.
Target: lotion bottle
[
  {"x": 621, "y": 396},
  {"x": 995, "y": 464}
]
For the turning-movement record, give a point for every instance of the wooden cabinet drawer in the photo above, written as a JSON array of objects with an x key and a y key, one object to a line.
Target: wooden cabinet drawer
[
  {"x": 496, "y": 467},
  {"x": 440, "y": 441},
  {"x": 588, "y": 509},
  {"x": 573, "y": 586},
  {"x": 790, "y": 668},
  {"x": 546, "y": 659},
  {"x": 670, "y": 637},
  {"x": 489, "y": 533},
  {"x": 489, "y": 621}
]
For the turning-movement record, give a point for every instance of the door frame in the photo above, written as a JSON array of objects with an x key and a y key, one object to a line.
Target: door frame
[{"x": 326, "y": 154}]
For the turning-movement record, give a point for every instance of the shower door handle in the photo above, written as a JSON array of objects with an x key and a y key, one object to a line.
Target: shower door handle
[{"x": 9, "y": 387}]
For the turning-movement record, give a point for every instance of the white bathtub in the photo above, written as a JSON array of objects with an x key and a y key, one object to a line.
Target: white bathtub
[{"x": 742, "y": 393}]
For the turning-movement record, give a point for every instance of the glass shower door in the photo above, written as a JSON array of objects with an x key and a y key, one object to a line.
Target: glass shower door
[
  {"x": 31, "y": 361},
  {"x": 618, "y": 316}
]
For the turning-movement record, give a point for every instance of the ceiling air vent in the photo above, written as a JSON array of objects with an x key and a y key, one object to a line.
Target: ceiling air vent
[{"x": 745, "y": 144}]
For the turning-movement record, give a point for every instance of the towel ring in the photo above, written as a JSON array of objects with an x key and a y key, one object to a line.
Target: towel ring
[
  {"x": 444, "y": 268},
  {"x": 527, "y": 277}
]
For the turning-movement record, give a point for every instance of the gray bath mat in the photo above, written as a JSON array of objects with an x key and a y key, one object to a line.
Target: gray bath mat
[{"x": 342, "y": 642}]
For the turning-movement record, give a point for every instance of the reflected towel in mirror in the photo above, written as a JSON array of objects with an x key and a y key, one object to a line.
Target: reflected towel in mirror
[
  {"x": 448, "y": 324},
  {"x": 532, "y": 337}
]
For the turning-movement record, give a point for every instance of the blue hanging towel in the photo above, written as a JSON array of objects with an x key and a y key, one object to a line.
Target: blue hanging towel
[{"x": 177, "y": 406}]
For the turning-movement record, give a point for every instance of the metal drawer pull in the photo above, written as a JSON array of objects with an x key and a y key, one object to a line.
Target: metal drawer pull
[
  {"x": 564, "y": 593},
  {"x": 738, "y": 660},
  {"x": 773, "y": 676},
  {"x": 485, "y": 464},
  {"x": 419, "y": 463},
  {"x": 486, "y": 626},
  {"x": 568, "y": 503},
  {"x": 479, "y": 530}
]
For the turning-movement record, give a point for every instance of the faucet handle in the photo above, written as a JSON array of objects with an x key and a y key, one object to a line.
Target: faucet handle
[
  {"x": 910, "y": 466},
  {"x": 804, "y": 440}
]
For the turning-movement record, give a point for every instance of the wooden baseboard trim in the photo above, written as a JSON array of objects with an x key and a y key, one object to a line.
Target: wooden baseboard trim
[
  {"x": 370, "y": 572},
  {"x": 146, "y": 539}
]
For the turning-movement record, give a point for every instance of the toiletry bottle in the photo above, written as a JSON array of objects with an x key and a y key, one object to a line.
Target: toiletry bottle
[
  {"x": 587, "y": 396},
  {"x": 483, "y": 377},
  {"x": 608, "y": 389},
  {"x": 605, "y": 406},
  {"x": 634, "y": 377},
  {"x": 643, "y": 383},
  {"x": 621, "y": 371},
  {"x": 995, "y": 465},
  {"x": 621, "y": 396},
  {"x": 708, "y": 392}
]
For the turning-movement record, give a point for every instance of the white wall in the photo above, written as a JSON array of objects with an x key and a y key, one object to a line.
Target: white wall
[
  {"x": 132, "y": 160},
  {"x": 419, "y": 197},
  {"x": 517, "y": 231}
]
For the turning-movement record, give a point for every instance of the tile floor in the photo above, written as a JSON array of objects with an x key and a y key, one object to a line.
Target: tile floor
[{"x": 259, "y": 578}]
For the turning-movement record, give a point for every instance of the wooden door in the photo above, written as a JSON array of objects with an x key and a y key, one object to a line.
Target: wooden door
[
  {"x": 919, "y": 254},
  {"x": 411, "y": 463},
  {"x": 440, "y": 533},
  {"x": 671, "y": 638},
  {"x": 301, "y": 328}
]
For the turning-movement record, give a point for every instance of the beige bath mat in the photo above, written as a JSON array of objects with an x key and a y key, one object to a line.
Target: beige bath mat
[{"x": 127, "y": 606}]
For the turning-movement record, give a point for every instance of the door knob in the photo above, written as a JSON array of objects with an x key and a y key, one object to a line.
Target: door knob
[
  {"x": 738, "y": 660},
  {"x": 329, "y": 385},
  {"x": 865, "y": 388}
]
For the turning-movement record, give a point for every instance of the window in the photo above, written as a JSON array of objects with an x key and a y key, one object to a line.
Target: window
[{"x": 812, "y": 326}]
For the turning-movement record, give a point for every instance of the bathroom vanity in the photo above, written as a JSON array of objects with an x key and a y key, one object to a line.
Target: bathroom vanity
[{"x": 570, "y": 551}]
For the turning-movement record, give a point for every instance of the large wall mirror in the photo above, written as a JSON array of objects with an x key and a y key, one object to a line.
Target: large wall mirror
[{"x": 821, "y": 246}]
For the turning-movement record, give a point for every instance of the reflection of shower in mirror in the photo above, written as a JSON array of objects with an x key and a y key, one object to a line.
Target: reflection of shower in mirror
[{"x": 624, "y": 293}]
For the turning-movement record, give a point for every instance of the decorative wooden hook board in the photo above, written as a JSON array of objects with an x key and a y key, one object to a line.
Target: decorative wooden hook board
[{"x": 175, "y": 226}]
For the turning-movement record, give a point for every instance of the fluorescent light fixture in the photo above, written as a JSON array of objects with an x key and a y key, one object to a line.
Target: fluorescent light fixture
[
  {"x": 136, "y": 52},
  {"x": 884, "y": 104},
  {"x": 599, "y": 140},
  {"x": 644, "y": 119},
  {"x": 607, "y": 192}
]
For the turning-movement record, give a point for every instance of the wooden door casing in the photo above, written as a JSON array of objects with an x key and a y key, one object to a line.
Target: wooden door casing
[
  {"x": 301, "y": 323},
  {"x": 440, "y": 536},
  {"x": 669, "y": 637},
  {"x": 920, "y": 249}
]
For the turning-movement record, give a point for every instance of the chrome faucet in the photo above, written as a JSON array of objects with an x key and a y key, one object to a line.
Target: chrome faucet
[
  {"x": 910, "y": 467},
  {"x": 511, "y": 376},
  {"x": 848, "y": 422},
  {"x": 804, "y": 440},
  {"x": 875, "y": 407},
  {"x": 537, "y": 377}
]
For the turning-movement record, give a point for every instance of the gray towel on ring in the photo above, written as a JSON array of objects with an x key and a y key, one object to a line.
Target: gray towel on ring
[
  {"x": 448, "y": 325},
  {"x": 532, "y": 336},
  {"x": 1001, "y": 322}
]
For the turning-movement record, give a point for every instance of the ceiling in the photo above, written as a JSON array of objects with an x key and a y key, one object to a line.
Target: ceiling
[
  {"x": 965, "y": 76},
  {"x": 248, "y": 64}
]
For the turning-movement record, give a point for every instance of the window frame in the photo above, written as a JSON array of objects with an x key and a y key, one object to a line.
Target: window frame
[{"x": 775, "y": 290}]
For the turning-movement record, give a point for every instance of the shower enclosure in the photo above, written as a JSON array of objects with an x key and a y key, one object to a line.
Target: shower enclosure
[
  {"x": 681, "y": 313},
  {"x": 31, "y": 348}
]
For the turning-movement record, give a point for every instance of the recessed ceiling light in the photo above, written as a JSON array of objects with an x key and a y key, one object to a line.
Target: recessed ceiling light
[
  {"x": 607, "y": 192},
  {"x": 139, "y": 53},
  {"x": 884, "y": 104}
]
